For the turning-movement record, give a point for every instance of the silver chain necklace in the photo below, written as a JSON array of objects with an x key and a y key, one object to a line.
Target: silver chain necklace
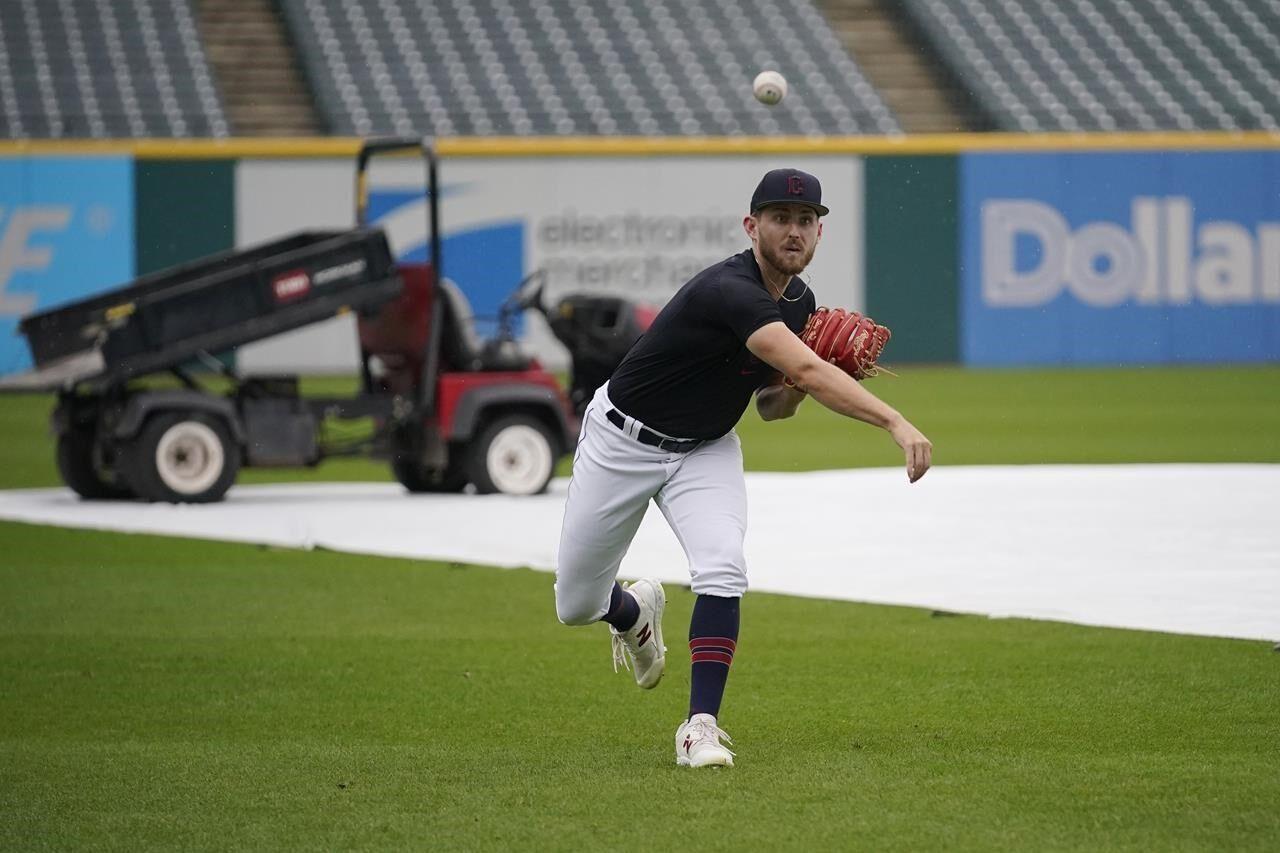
[{"x": 783, "y": 294}]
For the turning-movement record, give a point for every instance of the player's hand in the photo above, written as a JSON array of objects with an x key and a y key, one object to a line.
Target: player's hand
[{"x": 917, "y": 449}]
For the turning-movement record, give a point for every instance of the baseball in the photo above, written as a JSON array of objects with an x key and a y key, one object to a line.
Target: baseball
[{"x": 769, "y": 87}]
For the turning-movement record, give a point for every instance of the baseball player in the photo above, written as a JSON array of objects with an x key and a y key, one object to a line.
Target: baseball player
[{"x": 661, "y": 429}]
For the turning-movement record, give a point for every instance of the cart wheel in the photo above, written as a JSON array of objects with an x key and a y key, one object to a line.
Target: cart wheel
[
  {"x": 80, "y": 464},
  {"x": 418, "y": 478},
  {"x": 513, "y": 455},
  {"x": 182, "y": 457}
]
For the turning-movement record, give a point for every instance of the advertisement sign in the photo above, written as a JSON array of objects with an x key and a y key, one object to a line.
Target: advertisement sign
[
  {"x": 66, "y": 231},
  {"x": 486, "y": 259},
  {"x": 636, "y": 227},
  {"x": 1130, "y": 258}
]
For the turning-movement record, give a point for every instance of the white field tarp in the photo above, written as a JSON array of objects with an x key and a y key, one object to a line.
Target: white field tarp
[{"x": 1191, "y": 549}]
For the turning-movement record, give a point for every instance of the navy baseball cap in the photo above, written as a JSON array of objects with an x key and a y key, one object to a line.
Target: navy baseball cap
[{"x": 788, "y": 186}]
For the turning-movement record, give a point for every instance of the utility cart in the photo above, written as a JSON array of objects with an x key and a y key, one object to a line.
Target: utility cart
[{"x": 447, "y": 409}]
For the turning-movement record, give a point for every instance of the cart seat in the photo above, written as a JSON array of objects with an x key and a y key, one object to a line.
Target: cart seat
[{"x": 462, "y": 347}]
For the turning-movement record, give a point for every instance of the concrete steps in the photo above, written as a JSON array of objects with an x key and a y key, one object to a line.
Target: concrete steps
[
  {"x": 917, "y": 89},
  {"x": 257, "y": 69}
]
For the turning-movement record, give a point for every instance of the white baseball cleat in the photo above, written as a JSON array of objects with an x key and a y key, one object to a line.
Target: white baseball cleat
[
  {"x": 698, "y": 743},
  {"x": 640, "y": 648}
]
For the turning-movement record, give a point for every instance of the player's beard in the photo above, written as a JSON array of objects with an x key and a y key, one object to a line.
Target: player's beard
[{"x": 785, "y": 262}]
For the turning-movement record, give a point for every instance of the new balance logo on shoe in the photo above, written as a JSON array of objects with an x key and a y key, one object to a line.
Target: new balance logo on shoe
[
  {"x": 698, "y": 743},
  {"x": 640, "y": 647}
]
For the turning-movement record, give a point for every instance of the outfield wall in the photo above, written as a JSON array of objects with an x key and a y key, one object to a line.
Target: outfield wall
[
  {"x": 628, "y": 226},
  {"x": 983, "y": 249}
]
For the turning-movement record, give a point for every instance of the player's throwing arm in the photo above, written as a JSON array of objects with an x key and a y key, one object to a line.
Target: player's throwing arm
[{"x": 838, "y": 390}]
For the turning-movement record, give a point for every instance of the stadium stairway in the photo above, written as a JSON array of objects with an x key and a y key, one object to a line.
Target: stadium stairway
[
  {"x": 920, "y": 92},
  {"x": 257, "y": 70}
]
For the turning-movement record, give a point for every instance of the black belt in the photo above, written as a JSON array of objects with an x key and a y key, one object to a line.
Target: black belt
[{"x": 651, "y": 438}]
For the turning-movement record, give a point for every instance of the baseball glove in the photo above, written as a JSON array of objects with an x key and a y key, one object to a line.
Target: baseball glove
[{"x": 847, "y": 339}]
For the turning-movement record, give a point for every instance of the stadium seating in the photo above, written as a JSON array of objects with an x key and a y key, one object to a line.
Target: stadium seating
[
  {"x": 568, "y": 67},
  {"x": 104, "y": 68},
  {"x": 1089, "y": 65}
]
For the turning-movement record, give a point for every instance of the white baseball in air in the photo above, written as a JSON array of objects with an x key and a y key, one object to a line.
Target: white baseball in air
[{"x": 769, "y": 87}]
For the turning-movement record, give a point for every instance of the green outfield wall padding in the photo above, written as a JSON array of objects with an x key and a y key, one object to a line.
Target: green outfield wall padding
[
  {"x": 185, "y": 210},
  {"x": 912, "y": 272}
]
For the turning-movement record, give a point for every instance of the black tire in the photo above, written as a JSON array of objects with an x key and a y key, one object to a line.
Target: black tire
[
  {"x": 81, "y": 466},
  {"x": 182, "y": 457},
  {"x": 514, "y": 455},
  {"x": 407, "y": 466}
]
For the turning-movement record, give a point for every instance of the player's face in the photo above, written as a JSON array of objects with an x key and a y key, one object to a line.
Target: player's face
[{"x": 787, "y": 235}]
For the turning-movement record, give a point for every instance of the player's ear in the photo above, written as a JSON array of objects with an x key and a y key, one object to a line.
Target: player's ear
[
  {"x": 750, "y": 224},
  {"x": 819, "y": 231}
]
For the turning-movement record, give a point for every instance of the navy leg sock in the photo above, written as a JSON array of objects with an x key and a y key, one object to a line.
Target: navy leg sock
[
  {"x": 624, "y": 610},
  {"x": 713, "y": 637}
]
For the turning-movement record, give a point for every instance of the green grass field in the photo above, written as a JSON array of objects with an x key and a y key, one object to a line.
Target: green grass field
[
  {"x": 170, "y": 694},
  {"x": 972, "y": 417}
]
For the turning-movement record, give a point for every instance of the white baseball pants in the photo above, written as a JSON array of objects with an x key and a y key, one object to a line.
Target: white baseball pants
[{"x": 701, "y": 493}]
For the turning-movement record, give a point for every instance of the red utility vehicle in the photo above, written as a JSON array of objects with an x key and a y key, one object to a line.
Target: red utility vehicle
[{"x": 447, "y": 409}]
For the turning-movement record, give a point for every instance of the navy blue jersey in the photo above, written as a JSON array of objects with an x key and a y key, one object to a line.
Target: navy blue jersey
[{"x": 691, "y": 374}]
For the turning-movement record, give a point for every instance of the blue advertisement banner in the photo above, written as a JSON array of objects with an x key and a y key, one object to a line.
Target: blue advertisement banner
[
  {"x": 486, "y": 261},
  {"x": 66, "y": 231},
  {"x": 1127, "y": 258}
]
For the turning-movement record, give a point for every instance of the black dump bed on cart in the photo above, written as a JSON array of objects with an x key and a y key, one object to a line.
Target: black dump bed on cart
[{"x": 213, "y": 304}]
